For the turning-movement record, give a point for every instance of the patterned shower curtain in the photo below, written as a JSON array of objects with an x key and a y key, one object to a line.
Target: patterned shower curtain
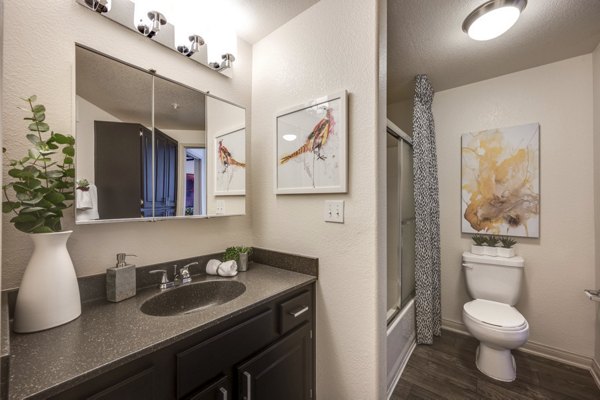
[{"x": 427, "y": 213}]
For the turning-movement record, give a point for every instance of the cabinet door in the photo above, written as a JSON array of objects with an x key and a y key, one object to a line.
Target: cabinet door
[
  {"x": 117, "y": 168},
  {"x": 282, "y": 371}
]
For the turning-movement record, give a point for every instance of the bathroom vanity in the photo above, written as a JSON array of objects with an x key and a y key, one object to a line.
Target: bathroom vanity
[{"x": 257, "y": 346}]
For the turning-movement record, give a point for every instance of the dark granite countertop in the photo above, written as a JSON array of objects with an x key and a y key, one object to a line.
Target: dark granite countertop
[{"x": 111, "y": 334}]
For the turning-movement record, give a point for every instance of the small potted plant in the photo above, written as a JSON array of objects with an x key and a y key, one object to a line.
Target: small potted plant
[
  {"x": 40, "y": 187},
  {"x": 491, "y": 249},
  {"x": 479, "y": 244},
  {"x": 506, "y": 249},
  {"x": 83, "y": 185},
  {"x": 240, "y": 255}
]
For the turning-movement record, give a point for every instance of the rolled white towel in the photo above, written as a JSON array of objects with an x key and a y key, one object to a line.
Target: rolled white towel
[
  {"x": 212, "y": 266},
  {"x": 228, "y": 268},
  {"x": 83, "y": 199}
]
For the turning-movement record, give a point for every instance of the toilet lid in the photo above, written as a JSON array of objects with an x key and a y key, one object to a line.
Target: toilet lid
[{"x": 494, "y": 313}]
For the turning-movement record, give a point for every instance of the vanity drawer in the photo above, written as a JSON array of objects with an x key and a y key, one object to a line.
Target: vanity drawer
[
  {"x": 200, "y": 363},
  {"x": 295, "y": 311}
]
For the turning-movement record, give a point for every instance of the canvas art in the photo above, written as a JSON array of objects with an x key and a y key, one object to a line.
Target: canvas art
[
  {"x": 501, "y": 181},
  {"x": 230, "y": 159},
  {"x": 311, "y": 147}
]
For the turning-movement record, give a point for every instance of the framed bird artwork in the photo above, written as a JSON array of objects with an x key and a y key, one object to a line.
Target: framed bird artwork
[
  {"x": 311, "y": 147},
  {"x": 230, "y": 159}
]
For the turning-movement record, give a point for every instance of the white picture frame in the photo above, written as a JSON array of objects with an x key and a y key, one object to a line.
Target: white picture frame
[
  {"x": 305, "y": 165},
  {"x": 230, "y": 175}
]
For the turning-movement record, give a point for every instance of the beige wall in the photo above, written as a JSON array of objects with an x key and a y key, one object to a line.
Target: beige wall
[
  {"x": 320, "y": 52},
  {"x": 596, "y": 66},
  {"x": 560, "y": 264},
  {"x": 41, "y": 61},
  {"x": 401, "y": 114}
]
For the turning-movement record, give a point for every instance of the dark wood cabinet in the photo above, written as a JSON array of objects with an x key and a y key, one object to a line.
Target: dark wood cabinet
[
  {"x": 265, "y": 353},
  {"x": 283, "y": 371},
  {"x": 123, "y": 171},
  {"x": 118, "y": 168}
]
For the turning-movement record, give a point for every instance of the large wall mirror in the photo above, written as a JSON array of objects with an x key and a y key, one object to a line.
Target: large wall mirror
[{"x": 151, "y": 148}]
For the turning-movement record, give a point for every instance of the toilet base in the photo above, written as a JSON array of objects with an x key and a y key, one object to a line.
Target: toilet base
[{"x": 495, "y": 363}]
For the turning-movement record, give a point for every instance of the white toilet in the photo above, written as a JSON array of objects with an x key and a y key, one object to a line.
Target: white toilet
[{"x": 495, "y": 284}]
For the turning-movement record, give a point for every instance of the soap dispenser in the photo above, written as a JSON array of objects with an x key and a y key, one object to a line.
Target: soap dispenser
[{"x": 120, "y": 280}]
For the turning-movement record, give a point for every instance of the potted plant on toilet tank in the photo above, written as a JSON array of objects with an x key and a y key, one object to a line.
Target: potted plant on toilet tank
[
  {"x": 487, "y": 245},
  {"x": 40, "y": 187}
]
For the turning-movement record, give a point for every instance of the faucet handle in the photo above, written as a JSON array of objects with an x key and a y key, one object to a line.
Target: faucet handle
[
  {"x": 185, "y": 273},
  {"x": 164, "y": 282},
  {"x": 165, "y": 278}
]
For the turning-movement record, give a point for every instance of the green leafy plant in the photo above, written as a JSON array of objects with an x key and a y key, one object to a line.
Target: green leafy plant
[
  {"x": 507, "y": 242},
  {"x": 492, "y": 241},
  {"x": 233, "y": 253},
  {"x": 480, "y": 240},
  {"x": 42, "y": 187}
]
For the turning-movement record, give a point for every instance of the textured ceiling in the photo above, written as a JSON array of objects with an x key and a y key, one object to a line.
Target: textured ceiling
[
  {"x": 126, "y": 93},
  {"x": 261, "y": 17},
  {"x": 425, "y": 36}
]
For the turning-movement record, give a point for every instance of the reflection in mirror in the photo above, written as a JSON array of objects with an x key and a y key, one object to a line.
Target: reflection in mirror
[
  {"x": 226, "y": 147},
  {"x": 114, "y": 139},
  {"x": 180, "y": 150},
  {"x": 150, "y": 147}
]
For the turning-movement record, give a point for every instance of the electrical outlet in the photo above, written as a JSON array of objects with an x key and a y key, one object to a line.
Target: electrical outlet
[
  {"x": 334, "y": 211},
  {"x": 220, "y": 207}
]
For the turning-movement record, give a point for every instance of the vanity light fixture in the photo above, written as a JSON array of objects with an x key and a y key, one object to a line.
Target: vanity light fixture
[
  {"x": 289, "y": 137},
  {"x": 493, "y": 18},
  {"x": 156, "y": 19},
  {"x": 227, "y": 58},
  {"x": 188, "y": 25},
  {"x": 196, "y": 42},
  {"x": 100, "y": 6}
]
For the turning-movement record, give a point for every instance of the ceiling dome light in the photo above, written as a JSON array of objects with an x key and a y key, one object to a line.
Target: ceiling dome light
[{"x": 493, "y": 18}]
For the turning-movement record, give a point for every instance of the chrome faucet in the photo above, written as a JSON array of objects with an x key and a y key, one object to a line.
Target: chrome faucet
[
  {"x": 164, "y": 281},
  {"x": 179, "y": 278},
  {"x": 184, "y": 273}
]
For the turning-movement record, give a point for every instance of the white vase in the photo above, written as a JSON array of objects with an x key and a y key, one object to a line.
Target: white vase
[
  {"x": 49, "y": 293},
  {"x": 504, "y": 252},
  {"x": 479, "y": 250},
  {"x": 491, "y": 251}
]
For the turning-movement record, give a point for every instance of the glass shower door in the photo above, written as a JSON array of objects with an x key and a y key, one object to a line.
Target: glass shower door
[
  {"x": 407, "y": 228},
  {"x": 400, "y": 225}
]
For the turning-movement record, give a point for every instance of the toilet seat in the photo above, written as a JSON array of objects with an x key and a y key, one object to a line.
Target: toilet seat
[{"x": 497, "y": 316}]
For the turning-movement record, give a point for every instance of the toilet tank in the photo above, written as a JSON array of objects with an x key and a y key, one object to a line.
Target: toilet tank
[{"x": 493, "y": 278}]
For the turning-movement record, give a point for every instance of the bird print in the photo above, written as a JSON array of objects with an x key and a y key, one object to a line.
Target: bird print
[
  {"x": 227, "y": 159},
  {"x": 316, "y": 139}
]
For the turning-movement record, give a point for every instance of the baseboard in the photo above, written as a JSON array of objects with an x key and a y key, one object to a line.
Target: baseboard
[
  {"x": 538, "y": 349},
  {"x": 413, "y": 345},
  {"x": 595, "y": 370}
]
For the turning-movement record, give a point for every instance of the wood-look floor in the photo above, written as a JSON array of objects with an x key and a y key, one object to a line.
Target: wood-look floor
[{"x": 446, "y": 370}]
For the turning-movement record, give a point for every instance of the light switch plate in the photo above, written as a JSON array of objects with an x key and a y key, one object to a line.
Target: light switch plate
[
  {"x": 334, "y": 211},
  {"x": 220, "y": 207}
]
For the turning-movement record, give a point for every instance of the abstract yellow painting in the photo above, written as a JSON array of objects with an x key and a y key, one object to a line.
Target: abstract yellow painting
[{"x": 501, "y": 181}]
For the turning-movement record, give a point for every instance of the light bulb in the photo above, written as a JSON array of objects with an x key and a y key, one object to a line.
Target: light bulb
[{"x": 494, "y": 23}]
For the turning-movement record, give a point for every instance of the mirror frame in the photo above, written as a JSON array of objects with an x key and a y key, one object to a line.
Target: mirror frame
[{"x": 154, "y": 74}]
